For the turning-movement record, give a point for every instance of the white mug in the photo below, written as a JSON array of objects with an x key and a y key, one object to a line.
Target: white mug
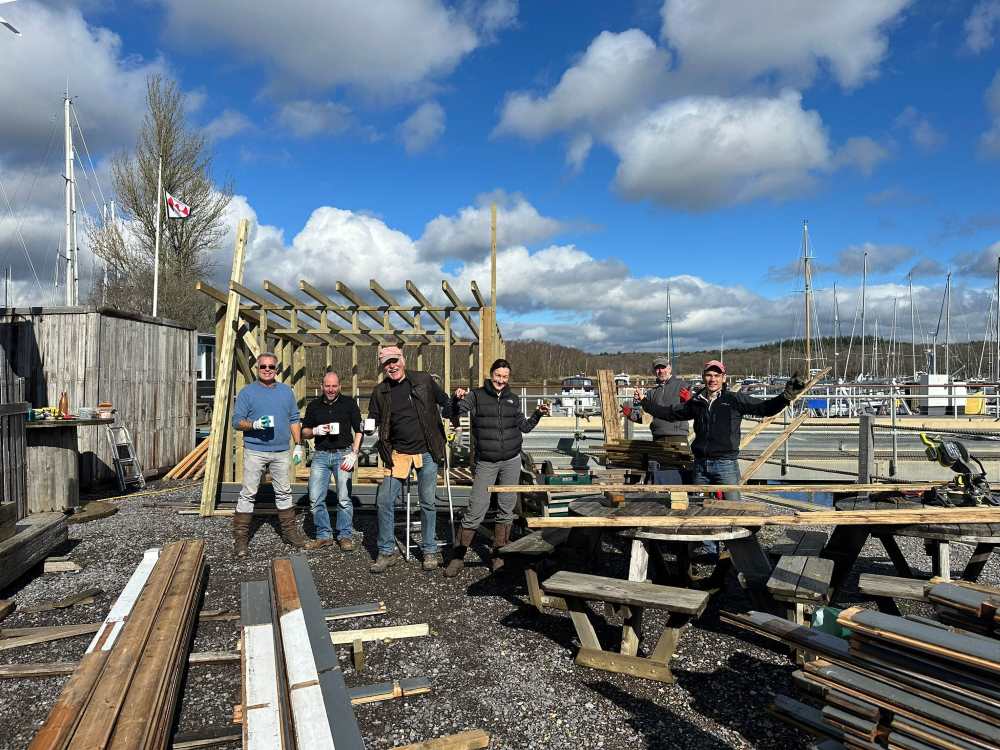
[
  {"x": 369, "y": 425},
  {"x": 334, "y": 428}
]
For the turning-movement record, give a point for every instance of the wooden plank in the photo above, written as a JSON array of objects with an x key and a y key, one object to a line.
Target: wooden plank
[
  {"x": 770, "y": 450},
  {"x": 384, "y": 691},
  {"x": 259, "y": 683},
  {"x": 61, "y": 668},
  {"x": 471, "y": 740},
  {"x": 390, "y": 632},
  {"x": 7, "y": 607},
  {"x": 354, "y": 610},
  {"x": 833, "y": 487},
  {"x": 610, "y": 416},
  {"x": 766, "y": 422},
  {"x": 831, "y": 518},
  {"x": 60, "y": 566},
  {"x": 37, "y": 535},
  {"x": 892, "y": 586},
  {"x": 784, "y": 580},
  {"x": 48, "y": 634},
  {"x": 637, "y": 593},
  {"x": 799, "y": 542},
  {"x": 221, "y": 413},
  {"x": 537, "y": 544},
  {"x": 635, "y": 666}
]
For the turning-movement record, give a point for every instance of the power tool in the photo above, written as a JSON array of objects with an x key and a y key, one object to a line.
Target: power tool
[{"x": 970, "y": 487}]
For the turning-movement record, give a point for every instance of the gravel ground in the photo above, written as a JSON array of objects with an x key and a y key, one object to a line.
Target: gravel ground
[{"x": 494, "y": 664}]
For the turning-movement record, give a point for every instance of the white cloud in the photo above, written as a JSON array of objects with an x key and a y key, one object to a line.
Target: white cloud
[
  {"x": 108, "y": 87},
  {"x": 423, "y": 127},
  {"x": 981, "y": 263},
  {"x": 722, "y": 40},
  {"x": 701, "y": 152},
  {"x": 310, "y": 118},
  {"x": 862, "y": 153},
  {"x": 492, "y": 16},
  {"x": 382, "y": 48},
  {"x": 578, "y": 151},
  {"x": 226, "y": 125},
  {"x": 467, "y": 234},
  {"x": 924, "y": 135},
  {"x": 616, "y": 75},
  {"x": 989, "y": 142},
  {"x": 980, "y": 26}
]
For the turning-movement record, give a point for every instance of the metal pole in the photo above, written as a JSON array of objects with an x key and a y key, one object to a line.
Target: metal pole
[
  {"x": 70, "y": 239},
  {"x": 807, "y": 279},
  {"x": 156, "y": 247},
  {"x": 892, "y": 411},
  {"x": 864, "y": 303},
  {"x": 947, "y": 330},
  {"x": 913, "y": 329}
]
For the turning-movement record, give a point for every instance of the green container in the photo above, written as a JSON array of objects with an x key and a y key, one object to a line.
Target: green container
[{"x": 824, "y": 619}]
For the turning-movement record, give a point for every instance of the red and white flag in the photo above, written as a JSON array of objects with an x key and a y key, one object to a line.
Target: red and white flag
[{"x": 176, "y": 209}]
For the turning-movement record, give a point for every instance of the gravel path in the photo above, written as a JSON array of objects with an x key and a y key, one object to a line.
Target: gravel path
[{"x": 493, "y": 663}]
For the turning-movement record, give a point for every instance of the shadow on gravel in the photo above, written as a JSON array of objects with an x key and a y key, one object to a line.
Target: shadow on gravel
[
  {"x": 737, "y": 696},
  {"x": 663, "y": 729}
]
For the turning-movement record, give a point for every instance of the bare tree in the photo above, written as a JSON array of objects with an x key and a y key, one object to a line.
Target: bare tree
[{"x": 185, "y": 244}]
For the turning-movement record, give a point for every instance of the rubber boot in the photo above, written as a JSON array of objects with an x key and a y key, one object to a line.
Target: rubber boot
[
  {"x": 454, "y": 567},
  {"x": 501, "y": 536},
  {"x": 291, "y": 534},
  {"x": 241, "y": 534}
]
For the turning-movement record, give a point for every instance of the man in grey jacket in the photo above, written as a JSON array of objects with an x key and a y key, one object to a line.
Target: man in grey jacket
[{"x": 668, "y": 391}]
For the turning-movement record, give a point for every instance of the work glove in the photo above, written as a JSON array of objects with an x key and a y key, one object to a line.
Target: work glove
[
  {"x": 298, "y": 455},
  {"x": 794, "y": 387},
  {"x": 685, "y": 394},
  {"x": 349, "y": 461},
  {"x": 262, "y": 423},
  {"x": 320, "y": 430}
]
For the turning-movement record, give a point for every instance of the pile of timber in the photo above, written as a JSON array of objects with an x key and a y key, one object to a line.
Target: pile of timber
[
  {"x": 969, "y": 606},
  {"x": 294, "y": 695},
  {"x": 636, "y": 454},
  {"x": 123, "y": 693},
  {"x": 192, "y": 466},
  {"x": 33, "y": 538},
  {"x": 908, "y": 683}
]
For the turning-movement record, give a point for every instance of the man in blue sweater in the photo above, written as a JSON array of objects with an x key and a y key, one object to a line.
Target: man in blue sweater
[{"x": 267, "y": 415}]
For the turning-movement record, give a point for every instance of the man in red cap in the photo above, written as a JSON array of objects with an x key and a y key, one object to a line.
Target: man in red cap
[
  {"x": 717, "y": 413},
  {"x": 405, "y": 407}
]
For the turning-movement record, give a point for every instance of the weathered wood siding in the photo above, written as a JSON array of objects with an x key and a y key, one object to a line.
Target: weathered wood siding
[
  {"x": 144, "y": 366},
  {"x": 13, "y": 461}
]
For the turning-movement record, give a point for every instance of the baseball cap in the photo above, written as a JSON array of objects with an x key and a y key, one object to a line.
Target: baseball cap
[
  {"x": 389, "y": 352},
  {"x": 661, "y": 362},
  {"x": 714, "y": 364}
]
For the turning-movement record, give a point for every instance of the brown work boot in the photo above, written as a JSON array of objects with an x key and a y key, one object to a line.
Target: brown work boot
[
  {"x": 346, "y": 544},
  {"x": 384, "y": 562},
  {"x": 291, "y": 534},
  {"x": 457, "y": 562},
  {"x": 501, "y": 536},
  {"x": 241, "y": 534}
]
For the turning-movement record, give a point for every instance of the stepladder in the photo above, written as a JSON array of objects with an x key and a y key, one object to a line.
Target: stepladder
[{"x": 127, "y": 466}]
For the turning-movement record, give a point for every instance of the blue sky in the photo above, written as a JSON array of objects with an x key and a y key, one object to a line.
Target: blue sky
[{"x": 629, "y": 146}]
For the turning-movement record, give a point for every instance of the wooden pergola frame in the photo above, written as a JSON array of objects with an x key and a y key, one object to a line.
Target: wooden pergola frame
[{"x": 250, "y": 322}]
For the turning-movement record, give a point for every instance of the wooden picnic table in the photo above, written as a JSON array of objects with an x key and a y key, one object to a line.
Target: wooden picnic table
[
  {"x": 650, "y": 548},
  {"x": 846, "y": 541}
]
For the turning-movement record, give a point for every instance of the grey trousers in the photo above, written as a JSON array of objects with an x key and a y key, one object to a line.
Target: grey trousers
[
  {"x": 255, "y": 463},
  {"x": 487, "y": 473}
]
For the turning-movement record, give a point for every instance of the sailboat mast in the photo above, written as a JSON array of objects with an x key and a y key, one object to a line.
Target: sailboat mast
[
  {"x": 997, "y": 322},
  {"x": 670, "y": 328},
  {"x": 71, "y": 268},
  {"x": 864, "y": 302},
  {"x": 807, "y": 278},
  {"x": 947, "y": 328},
  {"x": 891, "y": 368},
  {"x": 913, "y": 325},
  {"x": 836, "y": 331}
]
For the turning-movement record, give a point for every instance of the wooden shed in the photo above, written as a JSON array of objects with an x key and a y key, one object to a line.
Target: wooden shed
[{"x": 144, "y": 366}]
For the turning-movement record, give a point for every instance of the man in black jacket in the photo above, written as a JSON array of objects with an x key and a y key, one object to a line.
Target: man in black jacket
[
  {"x": 497, "y": 423},
  {"x": 718, "y": 413},
  {"x": 405, "y": 407}
]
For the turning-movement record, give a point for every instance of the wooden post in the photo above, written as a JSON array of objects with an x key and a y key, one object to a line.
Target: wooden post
[
  {"x": 447, "y": 352},
  {"x": 866, "y": 449},
  {"x": 355, "y": 327},
  {"x": 486, "y": 330},
  {"x": 224, "y": 378}
]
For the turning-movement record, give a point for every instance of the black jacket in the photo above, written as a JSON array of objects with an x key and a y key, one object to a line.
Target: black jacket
[
  {"x": 496, "y": 421},
  {"x": 427, "y": 397},
  {"x": 717, "y": 423}
]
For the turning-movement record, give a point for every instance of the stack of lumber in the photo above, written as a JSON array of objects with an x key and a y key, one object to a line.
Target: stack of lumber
[
  {"x": 968, "y": 606},
  {"x": 294, "y": 695},
  {"x": 33, "y": 538},
  {"x": 907, "y": 683},
  {"x": 123, "y": 693},
  {"x": 192, "y": 466},
  {"x": 636, "y": 454}
]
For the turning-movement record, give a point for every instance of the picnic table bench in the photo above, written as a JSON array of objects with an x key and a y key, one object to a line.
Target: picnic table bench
[
  {"x": 630, "y": 599},
  {"x": 533, "y": 550}
]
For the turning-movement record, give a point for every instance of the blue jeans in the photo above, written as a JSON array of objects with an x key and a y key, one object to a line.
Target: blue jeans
[
  {"x": 386, "y": 497},
  {"x": 717, "y": 471},
  {"x": 323, "y": 464}
]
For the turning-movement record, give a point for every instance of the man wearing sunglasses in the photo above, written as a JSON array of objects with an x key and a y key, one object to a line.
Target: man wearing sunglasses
[
  {"x": 268, "y": 417},
  {"x": 407, "y": 408}
]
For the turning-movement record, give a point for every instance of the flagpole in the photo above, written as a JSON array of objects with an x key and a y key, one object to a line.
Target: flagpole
[{"x": 156, "y": 247}]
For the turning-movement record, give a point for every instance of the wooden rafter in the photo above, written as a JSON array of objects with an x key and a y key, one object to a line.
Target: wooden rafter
[
  {"x": 338, "y": 309},
  {"x": 450, "y": 294}
]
